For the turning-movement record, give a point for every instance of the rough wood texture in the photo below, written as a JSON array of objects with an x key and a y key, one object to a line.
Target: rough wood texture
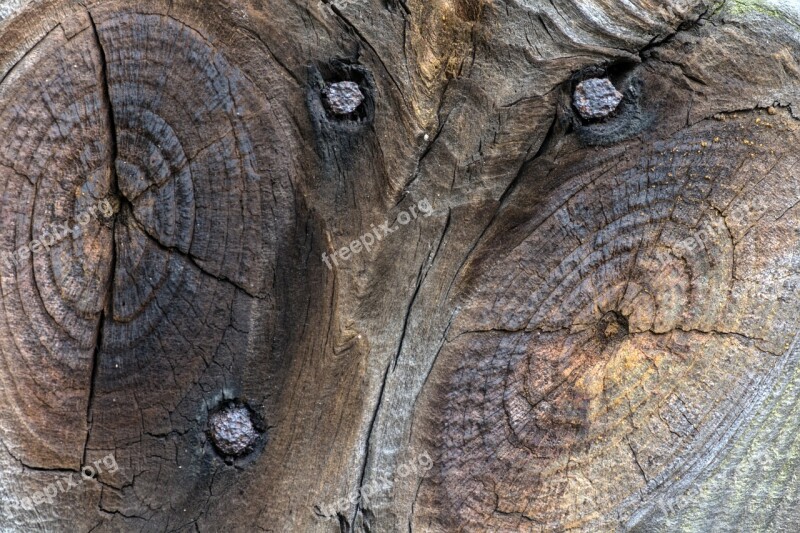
[{"x": 584, "y": 325}]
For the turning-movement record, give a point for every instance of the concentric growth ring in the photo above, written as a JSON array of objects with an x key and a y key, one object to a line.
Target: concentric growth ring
[
  {"x": 629, "y": 328},
  {"x": 153, "y": 157}
]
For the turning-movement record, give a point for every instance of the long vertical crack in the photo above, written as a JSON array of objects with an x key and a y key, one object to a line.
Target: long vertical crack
[{"x": 114, "y": 190}]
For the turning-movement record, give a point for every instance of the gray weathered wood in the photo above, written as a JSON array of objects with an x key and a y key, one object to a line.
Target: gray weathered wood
[{"x": 582, "y": 325}]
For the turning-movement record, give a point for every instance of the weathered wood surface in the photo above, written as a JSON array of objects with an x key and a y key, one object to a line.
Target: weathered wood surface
[{"x": 583, "y": 326}]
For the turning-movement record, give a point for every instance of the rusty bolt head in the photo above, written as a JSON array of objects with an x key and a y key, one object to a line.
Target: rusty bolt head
[
  {"x": 232, "y": 430},
  {"x": 596, "y": 98},
  {"x": 343, "y": 97}
]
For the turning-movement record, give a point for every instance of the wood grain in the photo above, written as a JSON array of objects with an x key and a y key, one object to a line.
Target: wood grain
[{"x": 594, "y": 329}]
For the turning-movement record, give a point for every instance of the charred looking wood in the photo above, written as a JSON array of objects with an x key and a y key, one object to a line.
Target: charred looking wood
[
  {"x": 607, "y": 104},
  {"x": 595, "y": 329},
  {"x": 357, "y": 94}
]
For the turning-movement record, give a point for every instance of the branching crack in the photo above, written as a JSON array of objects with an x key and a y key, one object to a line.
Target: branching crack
[
  {"x": 189, "y": 257},
  {"x": 711, "y": 8}
]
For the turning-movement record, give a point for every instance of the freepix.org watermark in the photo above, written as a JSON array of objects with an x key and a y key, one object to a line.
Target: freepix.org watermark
[
  {"x": 54, "y": 234},
  {"x": 66, "y": 483},
  {"x": 417, "y": 466},
  {"x": 368, "y": 240}
]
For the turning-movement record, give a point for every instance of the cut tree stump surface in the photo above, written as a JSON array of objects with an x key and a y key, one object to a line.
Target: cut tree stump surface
[{"x": 267, "y": 254}]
